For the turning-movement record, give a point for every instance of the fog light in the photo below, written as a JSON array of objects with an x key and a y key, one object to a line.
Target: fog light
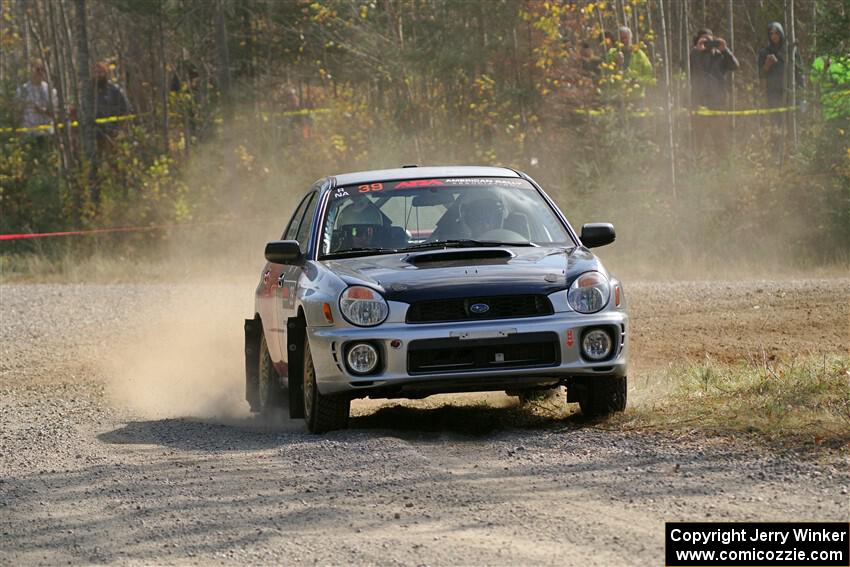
[
  {"x": 596, "y": 344},
  {"x": 362, "y": 358}
]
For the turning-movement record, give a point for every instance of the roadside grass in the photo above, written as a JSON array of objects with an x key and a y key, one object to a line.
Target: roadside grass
[
  {"x": 69, "y": 268},
  {"x": 804, "y": 401}
]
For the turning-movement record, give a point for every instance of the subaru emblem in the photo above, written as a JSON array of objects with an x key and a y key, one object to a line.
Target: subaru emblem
[{"x": 479, "y": 308}]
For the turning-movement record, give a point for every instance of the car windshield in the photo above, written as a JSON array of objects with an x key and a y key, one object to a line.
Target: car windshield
[{"x": 391, "y": 216}]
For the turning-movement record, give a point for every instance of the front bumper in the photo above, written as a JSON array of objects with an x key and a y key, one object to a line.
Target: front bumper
[{"x": 394, "y": 379}]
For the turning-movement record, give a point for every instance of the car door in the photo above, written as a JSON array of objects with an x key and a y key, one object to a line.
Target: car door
[
  {"x": 270, "y": 291},
  {"x": 287, "y": 281}
]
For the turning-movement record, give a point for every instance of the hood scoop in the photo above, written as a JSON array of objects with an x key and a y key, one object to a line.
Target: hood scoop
[{"x": 481, "y": 255}]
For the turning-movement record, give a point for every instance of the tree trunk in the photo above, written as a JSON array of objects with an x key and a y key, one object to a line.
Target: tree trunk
[
  {"x": 814, "y": 34},
  {"x": 635, "y": 24},
  {"x": 63, "y": 134},
  {"x": 793, "y": 61},
  {"x": 71, "y": 70},
  {"x": 732, "y": 105},
  {"x": 86, "y": 104},
  {"x": 27, "y": 50},
  {"x": 163, "y": 76},
  {"x": 670, "y": 138},
  {"x": 686, "y": 47},
  {"x": 223, "y": 57}
]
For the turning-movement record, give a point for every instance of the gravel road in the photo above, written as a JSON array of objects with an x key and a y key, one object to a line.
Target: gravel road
[{"x": 123, "y": 439}]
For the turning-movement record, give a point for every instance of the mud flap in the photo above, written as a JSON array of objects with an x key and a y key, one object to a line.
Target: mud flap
[
  {"x": 576, "y": 389},
  {"x": 296, "y": 330},
  {"x": 253, "y": 328}
]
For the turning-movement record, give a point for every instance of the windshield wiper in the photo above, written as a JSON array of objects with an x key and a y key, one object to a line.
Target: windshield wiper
[
  {"x": 463, "y": 243},
  {"x": 359, "y": 250}
]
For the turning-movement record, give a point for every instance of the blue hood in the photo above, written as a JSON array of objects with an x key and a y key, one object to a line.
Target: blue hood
[{"x": 449, "y": 274}]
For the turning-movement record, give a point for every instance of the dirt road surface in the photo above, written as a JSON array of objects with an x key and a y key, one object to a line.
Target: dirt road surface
[{"x": 123, "y": 439}]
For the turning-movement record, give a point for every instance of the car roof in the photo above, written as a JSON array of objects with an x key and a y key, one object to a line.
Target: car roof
[{"x": 402, "y": 173}]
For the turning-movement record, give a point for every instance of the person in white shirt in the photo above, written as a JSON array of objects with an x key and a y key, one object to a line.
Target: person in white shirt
[{"x": 38, "y": 102}]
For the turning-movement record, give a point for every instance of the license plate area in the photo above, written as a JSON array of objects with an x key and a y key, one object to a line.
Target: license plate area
[{"x": 521, "y": 350}]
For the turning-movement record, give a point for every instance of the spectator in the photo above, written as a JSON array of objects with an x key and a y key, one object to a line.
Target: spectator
[
  {"x": 771, "y": 66},
  {"x": 636, "y": 66},
  {"x": 711, "y": 62},
  {"x": 109, "y": 101},
  {"x": 38, "y": 102},
  {"x": 589, "y": 59}
]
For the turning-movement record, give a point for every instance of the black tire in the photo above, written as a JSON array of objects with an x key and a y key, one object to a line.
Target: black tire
[
  {"x": 271, "y": 397},
  {"x": 603, "y": 396},
  {"x": 322, "y": 413}
]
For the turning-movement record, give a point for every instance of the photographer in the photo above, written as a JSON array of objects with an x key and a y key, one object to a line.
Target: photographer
[{"x": 711, "y": 62}]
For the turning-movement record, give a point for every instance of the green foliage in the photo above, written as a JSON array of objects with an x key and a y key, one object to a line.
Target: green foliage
[{"x": 30, "y": 194}]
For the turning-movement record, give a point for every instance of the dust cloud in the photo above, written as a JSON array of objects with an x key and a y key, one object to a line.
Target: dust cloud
[{"x": 184, "y": 356}]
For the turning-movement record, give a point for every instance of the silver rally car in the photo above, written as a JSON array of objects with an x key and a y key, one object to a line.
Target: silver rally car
[{"x": 403, "y": 283}]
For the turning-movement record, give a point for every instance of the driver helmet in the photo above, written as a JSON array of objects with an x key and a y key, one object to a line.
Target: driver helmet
[
  {"x": 482, "y": 214},
  {"x": 366, "y": 218},
  {"x": 360, "y": 211}
]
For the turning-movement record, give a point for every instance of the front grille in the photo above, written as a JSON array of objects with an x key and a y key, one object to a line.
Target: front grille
[
  {"x": 499, "y": 307},
  {"x": 527, "y": 350}
]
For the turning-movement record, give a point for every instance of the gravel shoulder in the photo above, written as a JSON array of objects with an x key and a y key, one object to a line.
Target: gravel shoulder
[{"x": 123, "y": 439}]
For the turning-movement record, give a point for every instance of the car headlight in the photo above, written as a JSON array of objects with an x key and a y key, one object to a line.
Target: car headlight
[
  {"x": 363, "y": 306},
  {"x": 589, "y": 293}
]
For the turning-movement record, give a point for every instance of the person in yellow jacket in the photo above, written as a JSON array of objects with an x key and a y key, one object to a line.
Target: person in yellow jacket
[
  {"x": 635, "y": 63},
  {"x": 625, "y": 71}
]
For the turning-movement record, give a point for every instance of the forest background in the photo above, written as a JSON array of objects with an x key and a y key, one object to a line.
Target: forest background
[{"x": 239, "y": 106}]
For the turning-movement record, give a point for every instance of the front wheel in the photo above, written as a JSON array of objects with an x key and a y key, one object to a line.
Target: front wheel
[
  {"x": 322, "y": 413},
  {"x": 603, "y": 396}
]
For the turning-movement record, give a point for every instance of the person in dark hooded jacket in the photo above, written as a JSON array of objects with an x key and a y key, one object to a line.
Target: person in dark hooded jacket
[{"x": 772, "y": 65}]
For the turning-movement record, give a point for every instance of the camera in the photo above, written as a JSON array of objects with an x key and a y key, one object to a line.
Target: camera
[{"x": 711, "y": 44}]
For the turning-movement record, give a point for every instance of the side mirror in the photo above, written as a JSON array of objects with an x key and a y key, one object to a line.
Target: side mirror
[
  {"x": 597, "y": 234},
  {"x": 283, "y": 252}
]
